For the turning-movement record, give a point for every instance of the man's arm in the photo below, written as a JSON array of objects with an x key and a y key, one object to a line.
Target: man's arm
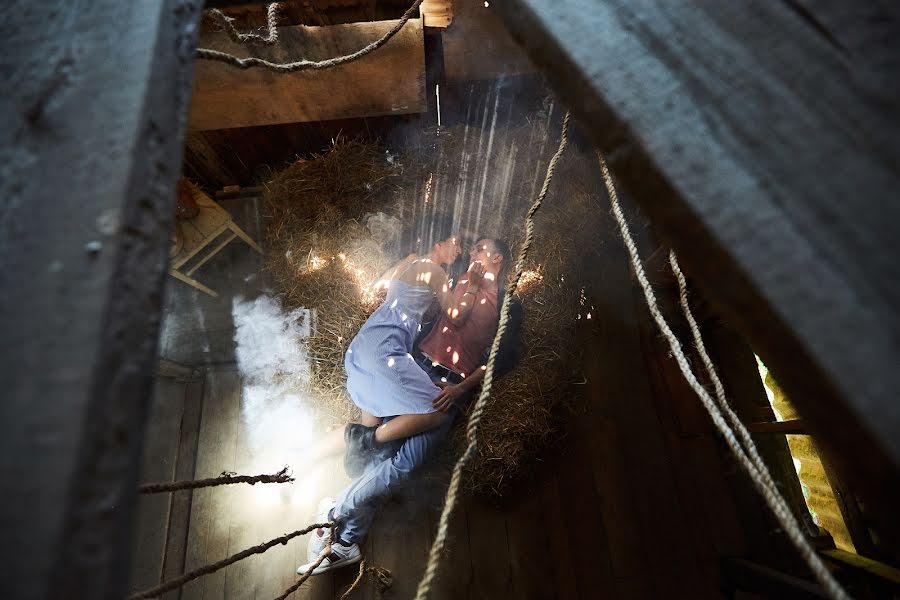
[
  {"x": 451, "y": 393},
  {"x": 507, "y": 358}
]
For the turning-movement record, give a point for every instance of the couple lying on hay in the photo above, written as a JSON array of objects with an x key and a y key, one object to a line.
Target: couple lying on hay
[{"x": 410, "y": 385}]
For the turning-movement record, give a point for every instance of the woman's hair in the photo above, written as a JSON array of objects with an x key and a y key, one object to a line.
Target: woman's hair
[{"x": 424, "y": 238}]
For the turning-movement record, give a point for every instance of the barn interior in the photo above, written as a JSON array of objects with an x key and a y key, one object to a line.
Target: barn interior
[
  {"x": 630, "y": 492},
  {"x": 599, "y": 473}
]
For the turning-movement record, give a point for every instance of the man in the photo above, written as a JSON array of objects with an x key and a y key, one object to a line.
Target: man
[{"x": 454, "y": 357}]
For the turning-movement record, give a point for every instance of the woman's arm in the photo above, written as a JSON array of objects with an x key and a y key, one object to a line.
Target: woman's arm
[{"x": 458, "y": 311}]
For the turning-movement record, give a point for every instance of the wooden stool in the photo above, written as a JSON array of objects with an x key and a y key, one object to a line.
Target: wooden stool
[{"x": 210, "y": 223}]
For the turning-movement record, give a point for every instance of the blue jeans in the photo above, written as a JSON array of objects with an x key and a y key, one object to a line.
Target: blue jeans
[{"x": 391, "y": 466}]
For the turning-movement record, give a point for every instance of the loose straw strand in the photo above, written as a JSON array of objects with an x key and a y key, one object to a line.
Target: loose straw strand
[
  {"x": 769, "y": 493},
  {"x": 308, "y": 65},
  {"x": 281, "y": 476},
  {"x": 227, "y": 23},
  {"x": 437, "y": 547},
  {"x": 212, "y": 568}
]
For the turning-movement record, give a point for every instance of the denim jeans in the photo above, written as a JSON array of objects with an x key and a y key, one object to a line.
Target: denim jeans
[{"x": 390, "y": 467}]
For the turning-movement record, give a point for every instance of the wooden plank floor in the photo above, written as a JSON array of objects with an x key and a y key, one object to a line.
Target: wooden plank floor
[{"x": 573, "y": 530}]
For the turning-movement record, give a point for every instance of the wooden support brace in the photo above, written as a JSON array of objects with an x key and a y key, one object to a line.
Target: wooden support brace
[
  {"x": 792, "y": 427},
  {"x": 94, "y": 102},
  {"x": 215, "y": 250}
]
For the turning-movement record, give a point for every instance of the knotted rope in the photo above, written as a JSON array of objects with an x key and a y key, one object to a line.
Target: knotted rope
[
  {"x": 747, "y": 456},
  {"x": 224, "y": 479},
  {"x": 172, "y": 584},
  {"x": 253, "y": 38},
  {"x": 308, "y": 65},
  {"x": 437, "y": 547},
  {"x": 382, "y": 580}
]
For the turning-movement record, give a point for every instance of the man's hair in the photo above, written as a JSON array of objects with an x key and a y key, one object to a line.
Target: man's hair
[{"x": 503, "y": 249}]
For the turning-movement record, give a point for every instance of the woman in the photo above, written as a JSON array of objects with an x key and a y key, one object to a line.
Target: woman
[{"x": 383, "y": 379}]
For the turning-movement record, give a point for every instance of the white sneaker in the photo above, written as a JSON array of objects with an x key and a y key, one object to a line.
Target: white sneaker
[
  {"x": 319, "y": 538},
  {"x": 340, "y": 556}
]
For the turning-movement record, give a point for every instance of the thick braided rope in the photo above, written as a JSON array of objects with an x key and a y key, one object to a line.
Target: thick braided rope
[
  {"x": 325, "y": 552},
  {"x": 224, "y": 479},
  {"x": 254, "y": 38},
  {"x": 769, "y": 493},
  {"x": 308, "y": 65},
  {"x": 172, "y": 584},
  {"x": 475, "y": 415}
]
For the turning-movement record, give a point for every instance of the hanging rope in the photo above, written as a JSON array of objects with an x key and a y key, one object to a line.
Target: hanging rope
[
  {"x": 178, "y": 582},
  {"x": 308, "y": 65},
  {"x": 227, "y": 23},
  {"x": 224, "y": 479},
  {"x": 748, "y": 458},
  {"x": 475, "y": 415},
  {"x": 325, "y": 552},
  {"x": 724, "y": 405},
  {"x": 355, "y": 584}
]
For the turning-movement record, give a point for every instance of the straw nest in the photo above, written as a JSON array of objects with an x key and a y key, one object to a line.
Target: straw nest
[{"x": 334, "y": 222}]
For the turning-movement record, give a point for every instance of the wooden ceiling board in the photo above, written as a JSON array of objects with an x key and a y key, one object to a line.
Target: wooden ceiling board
[{"x": 389, "y": 81}]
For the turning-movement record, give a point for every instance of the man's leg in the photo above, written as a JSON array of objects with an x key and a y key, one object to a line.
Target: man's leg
[{"x": 356, "y": 505}]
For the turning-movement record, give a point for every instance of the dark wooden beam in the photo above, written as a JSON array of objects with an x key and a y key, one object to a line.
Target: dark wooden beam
[
  {"x": 850, "y": 512},
  {"x": 792, "y": 427},
  {"x": 477, "y": 45},
  {"x": 177, "y": 371},
  {"x": 868, "y": 566},
  {"x": 743, "y": 575},
  {"x": 93, "y": 117},
  {"x": 390, "y": 81},
  {"x": 761, "y": 139}
]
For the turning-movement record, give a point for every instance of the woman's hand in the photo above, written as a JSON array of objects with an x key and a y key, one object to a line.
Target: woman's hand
[
  {"x": 450, "y": 393},
  {"x": 476, "y": 274}
]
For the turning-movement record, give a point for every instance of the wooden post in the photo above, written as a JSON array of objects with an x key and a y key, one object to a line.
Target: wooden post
[
  {"x": 761, "y": 139},
  {"x": 94, "y": 106}
]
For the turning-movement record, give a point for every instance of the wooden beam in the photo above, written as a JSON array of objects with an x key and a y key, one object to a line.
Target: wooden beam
[
  {"x": 478, "y": 46},
  {"x": 94, "y": 105},
  {"x": 851, "y": 512},
  {"x": 866, "y": 565},
  {"x": 390, "y": 81},
  {"x": 437, "y": 13},
  {"x": 792, "y": 427},
  {"x": 758, "y": 137},
  {"x": 179, "y": 372},
  {"x": 744, "y": 575}
]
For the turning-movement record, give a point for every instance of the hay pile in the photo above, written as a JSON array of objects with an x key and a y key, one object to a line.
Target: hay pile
[
  {"x": 336, "y": 221},
  {"x": 323, "y": 256},
  {"x": 527, "y": 404}
]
